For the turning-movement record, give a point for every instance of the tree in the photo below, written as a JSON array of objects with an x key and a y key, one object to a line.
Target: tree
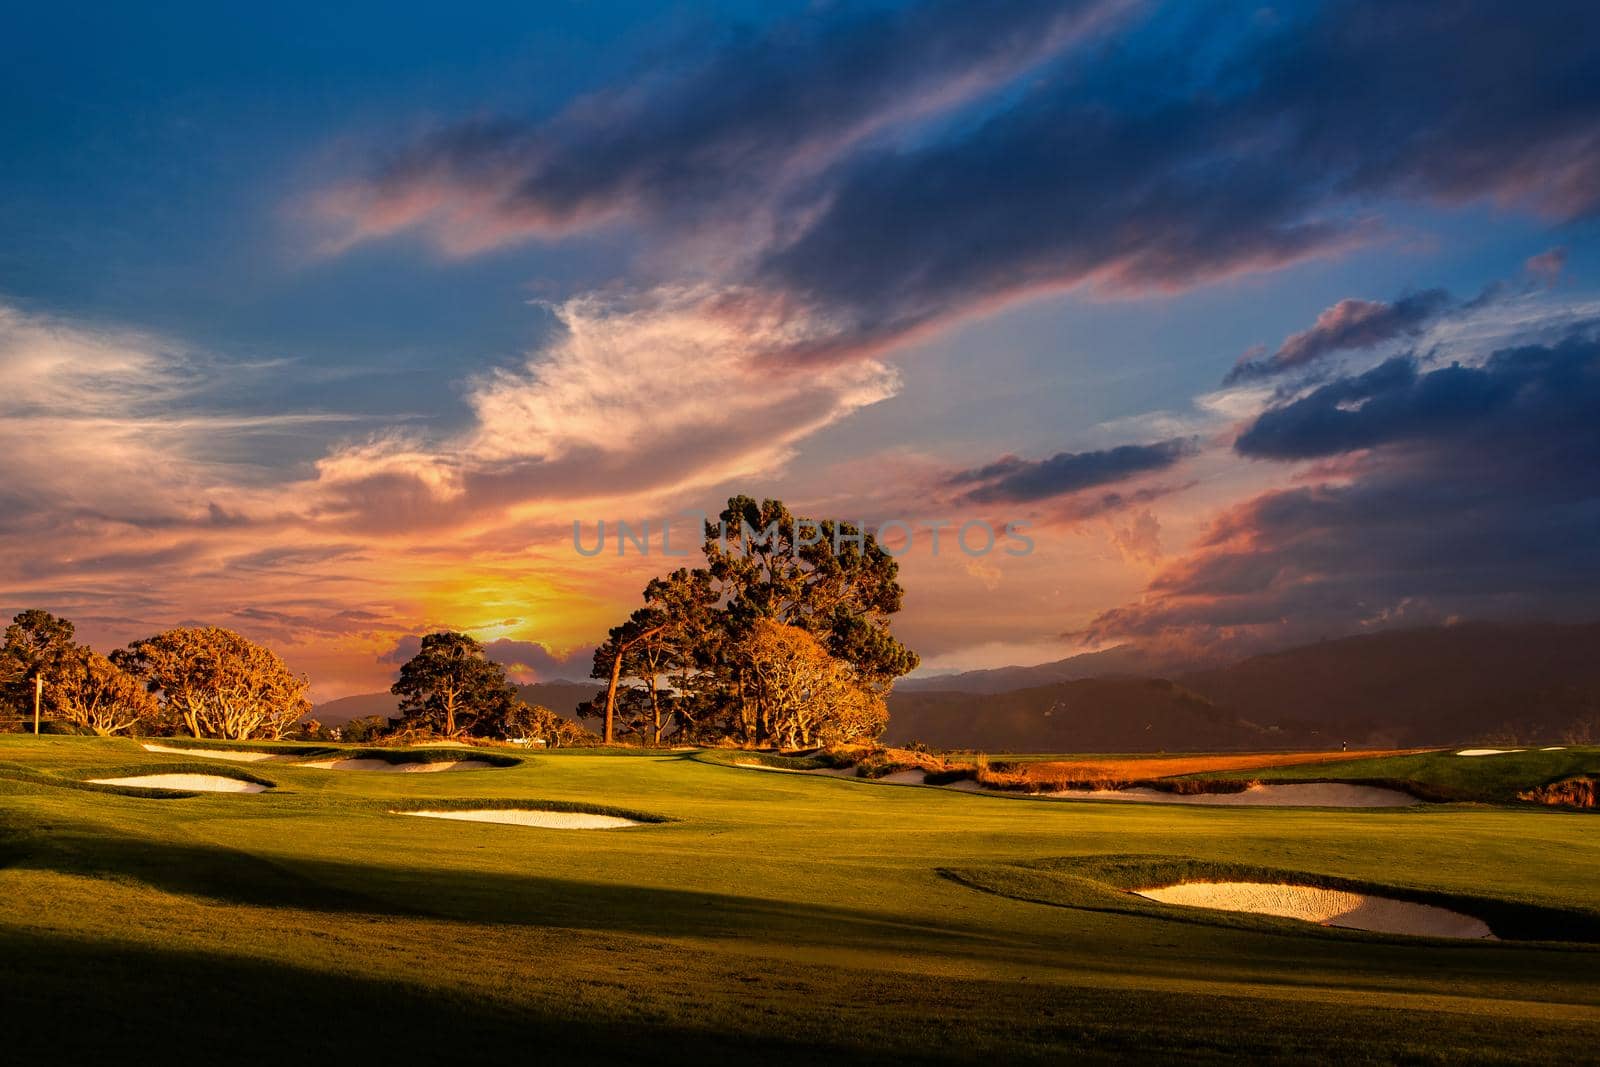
[
  {"x": 802, "y": 695},
  {"x": 453, "y": 687},
  {"x": 365, "y": 729},
  {"x": 218, "y": 683},
  {"x": 825, "y": 576},
  {"x": 669, "y": 634},
  {"x": 537, "y": 722},
  {"x": 93, "y": 692},
  {"x": 679, "y": 664},
  {"x": 37, "y": 643}
]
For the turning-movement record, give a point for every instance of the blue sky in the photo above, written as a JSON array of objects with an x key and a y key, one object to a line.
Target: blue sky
[{"x": 398, "y": 292}]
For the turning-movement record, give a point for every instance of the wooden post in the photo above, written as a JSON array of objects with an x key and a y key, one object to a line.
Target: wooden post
[{"x": 38, "y": 694}]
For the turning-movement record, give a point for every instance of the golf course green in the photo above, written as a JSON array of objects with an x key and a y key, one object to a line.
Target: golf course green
[{"x": 791, "y": 917}]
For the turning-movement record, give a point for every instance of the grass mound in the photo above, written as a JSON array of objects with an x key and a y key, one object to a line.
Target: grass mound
[
  {"x": 421, "y": 755},
  {"x": 82, "y": 778},
  {"x": 1109, "y": 883},
  {"x": 733, "y": 757},
  {"x": 573, "y": 807}
]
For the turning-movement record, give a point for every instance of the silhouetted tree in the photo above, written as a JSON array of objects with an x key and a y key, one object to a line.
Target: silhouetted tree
[{"x": 37, "y": 644}]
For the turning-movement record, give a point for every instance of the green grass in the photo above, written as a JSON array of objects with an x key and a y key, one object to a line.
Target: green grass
[{"x": 791, "y": 918}]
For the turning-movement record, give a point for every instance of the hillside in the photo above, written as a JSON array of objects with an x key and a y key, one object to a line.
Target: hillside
[
  {"x": 1123, "y": 661},
  {"x": 338, "y": 712},
  {"x": 1434, "y": 686},
  {"x": 1087, "y": 715},
  {"x": 1438, "y": 685}
]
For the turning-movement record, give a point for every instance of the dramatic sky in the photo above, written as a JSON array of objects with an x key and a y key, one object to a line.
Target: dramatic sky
[{"x": 1273, "y": 321}]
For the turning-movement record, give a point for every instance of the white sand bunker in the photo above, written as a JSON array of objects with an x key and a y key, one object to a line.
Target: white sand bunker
[
  {"x": 549, "y": 820},
  {"x": 1327, "y": 907},
  {"x": 1554, "y": 748},
  {"x": 214, "y": 753},
  {"x": 413, "y": 767},
  {"x": 1487, "y": 751},
  {"x": 196, "y": 783},
  {"x": 1305, "y": 795},
  {"x": 764, "y": 767}
]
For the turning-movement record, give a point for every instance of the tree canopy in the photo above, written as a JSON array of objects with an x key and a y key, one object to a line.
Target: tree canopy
[
  {"x": 701, "y": 659},
  {"x": 452, "y": 687},
  {"x": 92, "y": 692},
  {"x": 218, "y": 683},
  {"x": 37, "y": 644}
]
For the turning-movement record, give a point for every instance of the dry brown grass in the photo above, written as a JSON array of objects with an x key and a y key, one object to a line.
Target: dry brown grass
[
  {"x": 1114, "y": 773},
  {"x": 1571, "y": 793}
]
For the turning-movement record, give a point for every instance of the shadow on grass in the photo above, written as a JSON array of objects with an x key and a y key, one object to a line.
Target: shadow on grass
[
  {"x": 73, "y": 1001},
  {"x": 475, "y": 895}
]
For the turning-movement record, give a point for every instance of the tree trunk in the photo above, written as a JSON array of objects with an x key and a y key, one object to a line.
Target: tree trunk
[
  {"x": 655, "y": 714},
  {"x": 611, "y": 696}
]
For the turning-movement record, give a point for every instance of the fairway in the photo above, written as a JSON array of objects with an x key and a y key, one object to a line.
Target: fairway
[{"x": 802, "y": 918}]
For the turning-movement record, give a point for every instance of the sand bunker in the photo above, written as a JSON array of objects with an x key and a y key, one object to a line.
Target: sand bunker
[
  {"x": 197, "y": 783},
  {"x": 413, "y": 767},
  {"x": 764, "y": 767},
  {"x": 549, "y": 820},
  {"x": 1487, "y": 751},
  {"x": 1554, "y": 748},
  {"x": 214, "y": 753},
  {"x": 1307, "y": 795},
  {"x": 1327, "y": 907}
]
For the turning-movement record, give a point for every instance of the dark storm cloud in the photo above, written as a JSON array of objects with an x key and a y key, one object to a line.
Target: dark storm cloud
[
  {"x": 925, "y": 162},
  {"x": 1475, "y": 495},
  {"x": 685, "y": 141},
  {"x": 1016, "y": 480},
  {"x": 1347, "y": 326},
  {"x": 1273, "y": 154},
  {"x": 1397, "y": 402}
]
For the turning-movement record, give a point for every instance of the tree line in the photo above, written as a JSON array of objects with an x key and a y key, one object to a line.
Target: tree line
[
  {"x": 781, "y": 639},
  {"x": 208, "y": 682},
  {"x": 200, "y": 680}
]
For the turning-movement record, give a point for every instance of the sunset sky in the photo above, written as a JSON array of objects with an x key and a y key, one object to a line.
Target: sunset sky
[{"x": 325, "y": 322}]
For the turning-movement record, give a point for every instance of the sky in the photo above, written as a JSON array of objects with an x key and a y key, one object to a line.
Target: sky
[{"x": 1262, "y": 323}]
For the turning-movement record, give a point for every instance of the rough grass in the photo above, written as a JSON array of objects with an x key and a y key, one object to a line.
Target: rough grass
[
  {"x": 1568, "y": 793},
  {"x": 780, "y": 918},
  {"x": 1444, "y": 776},
  {"x": 1120, "y": 772}
]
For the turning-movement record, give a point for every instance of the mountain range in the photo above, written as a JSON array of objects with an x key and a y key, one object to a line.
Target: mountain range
[{"x": 1444, "y": 685}]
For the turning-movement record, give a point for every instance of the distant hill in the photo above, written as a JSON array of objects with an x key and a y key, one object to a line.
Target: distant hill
[
  {"x": 1086, "y": 715},
  {"x": 1124, "y": 661},
  {"x": 338, "y": 712},
  {"x": 1437, "y": 685},
  {"x": 562, "y": 697},
  {"x": 1434, "y": 686},
  {"x": 1398, "y": 688}
]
